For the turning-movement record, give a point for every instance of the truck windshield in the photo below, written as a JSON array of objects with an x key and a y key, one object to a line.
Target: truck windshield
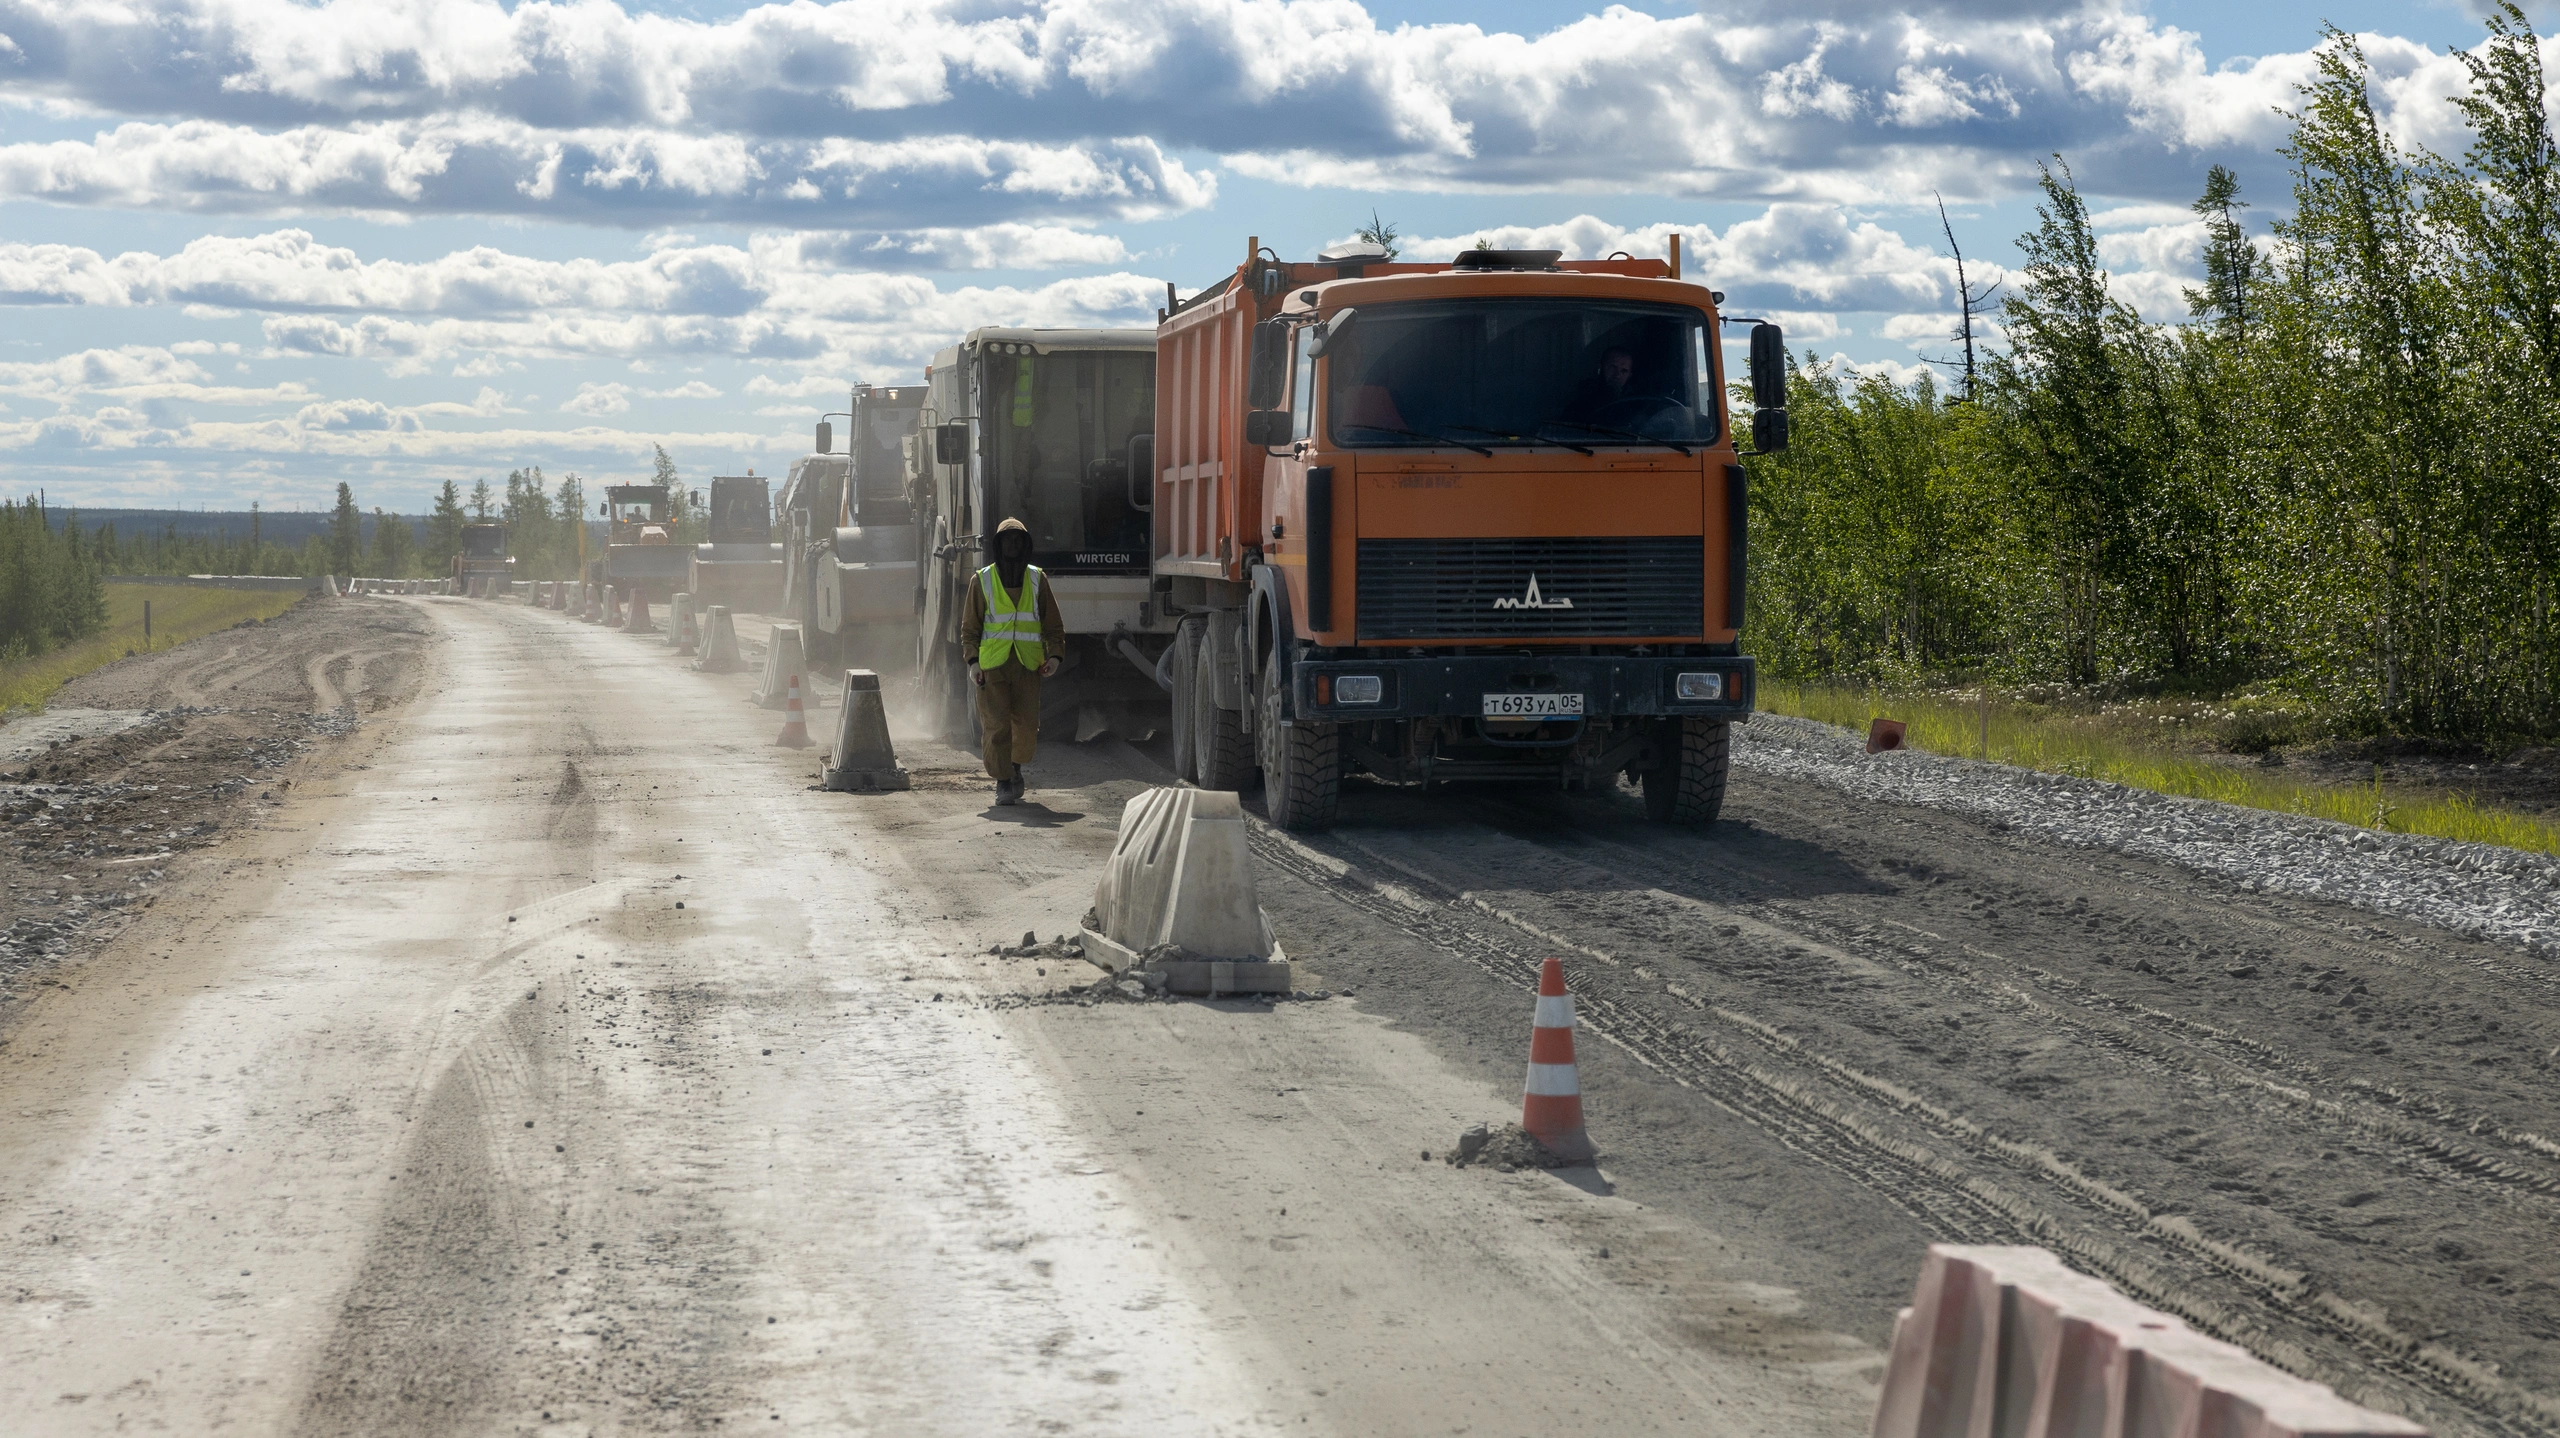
[
  {"x": 880, "y": 488},
  {"x": 1527, "y": 371},
  {"x": 1058, "y": 427}
]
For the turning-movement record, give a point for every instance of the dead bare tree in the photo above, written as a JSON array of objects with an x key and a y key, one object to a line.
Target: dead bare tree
[{"x": 1967, "y": 300}]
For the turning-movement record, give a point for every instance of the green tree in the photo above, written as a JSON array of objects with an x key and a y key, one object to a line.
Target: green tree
[
  {"x": 483, "y": 503},
  {"x": 1379, "y": 232},
  {"x": 346, "y": 532},
  {"x": 393, "y": 545},
  {"x": 570, "y": 503},
  {"x": 444, "y": 530},
  {"x": 2230, "y": 260}
]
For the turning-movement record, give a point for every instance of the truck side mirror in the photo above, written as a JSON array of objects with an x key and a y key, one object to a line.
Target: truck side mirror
[
  {"x": 1266, "y": 427},
  {"x": 1270, "y": 365},
  {"x": 1142, "y": 471},
  {"x": 826, "y": 438},
  {"x": 1768, "y": 367},
  {"x": 1769, "y": 430},
  {"x": 605, "y": 510},
  {"x": 951, "y": 443}
]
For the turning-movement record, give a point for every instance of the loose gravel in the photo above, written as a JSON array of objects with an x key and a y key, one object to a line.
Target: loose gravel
[{"x": 2477, "y": 889}]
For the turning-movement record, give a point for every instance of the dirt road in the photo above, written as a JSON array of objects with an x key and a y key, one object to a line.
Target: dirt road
[{"x": 556, "y": 1061}]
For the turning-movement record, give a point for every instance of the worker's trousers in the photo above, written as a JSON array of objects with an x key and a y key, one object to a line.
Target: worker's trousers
[{"x": 1009, "y": 716}]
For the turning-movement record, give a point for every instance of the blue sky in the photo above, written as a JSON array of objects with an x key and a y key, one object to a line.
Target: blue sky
[{"x": 249, "y": 248}]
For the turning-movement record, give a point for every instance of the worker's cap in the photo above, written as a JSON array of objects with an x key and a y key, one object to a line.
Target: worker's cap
[{"x": 1014, "y": 526}]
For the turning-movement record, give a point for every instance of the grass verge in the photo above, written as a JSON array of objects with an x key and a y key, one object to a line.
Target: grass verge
[
  {"x": 2100, "y": 747},
  {"x": 178, "y": 614}
]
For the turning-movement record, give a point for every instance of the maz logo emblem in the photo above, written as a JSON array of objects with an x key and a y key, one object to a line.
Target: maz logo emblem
[{"x": 1532, "y": 600}]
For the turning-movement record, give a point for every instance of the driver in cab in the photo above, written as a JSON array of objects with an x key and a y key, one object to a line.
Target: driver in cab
[{"x": 1609, "y": 384}]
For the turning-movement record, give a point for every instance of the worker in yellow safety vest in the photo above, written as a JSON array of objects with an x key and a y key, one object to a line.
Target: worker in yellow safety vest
[{"x": 1011, "y": 635}]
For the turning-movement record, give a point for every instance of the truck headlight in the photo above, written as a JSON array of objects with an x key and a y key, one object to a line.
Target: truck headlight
[
  {"x": 1357, "y": 688},
  {"x": 1696, "y": 687}
]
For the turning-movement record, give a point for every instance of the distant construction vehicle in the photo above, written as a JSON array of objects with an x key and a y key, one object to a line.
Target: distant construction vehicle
[
  {"x": 852, "y": 545},
  {"x": 1481, "y": 520},
  {"x": 641, "y": 555},
  {"x": 740, "y": 565},
  {"x": 1037, "y": 425},
  {"x": 484, "y": 556}
]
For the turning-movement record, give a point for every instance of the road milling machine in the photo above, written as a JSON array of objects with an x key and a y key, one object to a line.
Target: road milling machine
[
  {"x": 1038, "y": 425},
  {"x": 741, "y": 565},
  {"x": 484, "y": 556},
  {"x": 640, "y": 552},
  {"x": 851, "y": 552},
  {"x": 1478, "y": 520}
]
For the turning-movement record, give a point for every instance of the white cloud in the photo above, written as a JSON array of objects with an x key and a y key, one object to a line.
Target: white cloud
[
  {"x": 473, "y": 164},
  {"x": 1793, "y": 258},
  {"x": 931, "y": 113},
  {"x": 598, "y": 399},
  {"x": 355, "y": 415},
  {"x": 690, "y": 389}
]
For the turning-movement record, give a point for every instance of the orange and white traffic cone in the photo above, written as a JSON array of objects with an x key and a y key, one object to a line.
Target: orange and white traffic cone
[
  {"x": 795, "y": 723},
  {"x": 1552, "y": 1109}
]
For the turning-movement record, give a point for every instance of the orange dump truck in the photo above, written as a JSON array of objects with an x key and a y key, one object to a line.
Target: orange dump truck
[{"x": 1480, "y": 520}]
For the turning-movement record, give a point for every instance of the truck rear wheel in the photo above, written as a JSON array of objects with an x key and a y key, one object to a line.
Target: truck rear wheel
[
  {"x": 1301, "y": 765},
  {"x": 1687, "y": 787},
  {"x": 1221, "y": 752}
]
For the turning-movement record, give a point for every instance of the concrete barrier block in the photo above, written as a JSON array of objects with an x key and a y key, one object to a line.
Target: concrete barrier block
[
  {"x": 679, "y": 619},
  {"x": 861, "y": 760},
  {"x": 1178, "y": 897},
  {"x": 2009, "y": 1343},
  {"x": 719, "y": 644},
  {"x": 783, "y": 657}
]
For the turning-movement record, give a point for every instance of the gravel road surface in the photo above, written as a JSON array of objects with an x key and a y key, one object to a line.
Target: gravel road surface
[{"x": 554, "y": 1060}]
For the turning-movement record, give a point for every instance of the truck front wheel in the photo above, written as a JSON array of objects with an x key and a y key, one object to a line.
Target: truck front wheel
[
  {"x": 1687, "y": 786},
  {"x": 1301, "y": 765}
]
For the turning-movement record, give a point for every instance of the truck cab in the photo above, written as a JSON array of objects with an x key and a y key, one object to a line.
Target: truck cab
[
  {"x": 739, "y": 564},
  {"x": 854, "y": 545},
  {"x": 484, "y": 556},
  {"x": 1038, "y": 425},
  {"x": 1481, "y": 520},
  {"x": 641, "y": 555}
]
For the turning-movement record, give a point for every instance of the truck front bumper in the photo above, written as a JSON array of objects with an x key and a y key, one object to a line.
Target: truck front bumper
[{"x": 1611, "y": 686}]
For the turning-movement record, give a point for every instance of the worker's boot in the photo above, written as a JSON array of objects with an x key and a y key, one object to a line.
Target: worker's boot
[
  {"x": 1008, "y": 790},
  {"x": 1021, "y": 782}
]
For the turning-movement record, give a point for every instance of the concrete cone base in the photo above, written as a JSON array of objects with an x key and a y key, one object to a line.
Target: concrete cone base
[
  {"x": 862, "y": 760},
  {"x": 783, "y": 657},
  {"x": 1178, "y": 897},
  {"x": 719, "y": 644}
]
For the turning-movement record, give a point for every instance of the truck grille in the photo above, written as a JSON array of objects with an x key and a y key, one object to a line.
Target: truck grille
[{"x": 1480, "y": 588}]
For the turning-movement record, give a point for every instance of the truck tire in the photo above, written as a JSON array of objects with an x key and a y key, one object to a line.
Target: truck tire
[
  {"x": 1302, "y": 767},
  {"x": 1186, "y": 657},
  {"x": 1221, "y": 752},
  {"x": 1687, "y": 787}
]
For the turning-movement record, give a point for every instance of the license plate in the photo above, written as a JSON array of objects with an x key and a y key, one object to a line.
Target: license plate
[{"x": 1532, "y": 706}]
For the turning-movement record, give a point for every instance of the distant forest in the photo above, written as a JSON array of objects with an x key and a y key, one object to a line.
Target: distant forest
[{"x": 2333, "y": 484}]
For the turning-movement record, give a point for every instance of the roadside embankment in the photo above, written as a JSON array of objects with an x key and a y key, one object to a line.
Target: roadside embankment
[
  {"x": 2244, "y": 752},
  {"x": 2486, "y": 890},
  {"x": 179, "y": 613},
  {"x": 148, "y": 758}
]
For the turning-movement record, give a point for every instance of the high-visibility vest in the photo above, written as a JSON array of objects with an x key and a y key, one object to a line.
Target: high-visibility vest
[{"x": 1012, "y": 627}]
